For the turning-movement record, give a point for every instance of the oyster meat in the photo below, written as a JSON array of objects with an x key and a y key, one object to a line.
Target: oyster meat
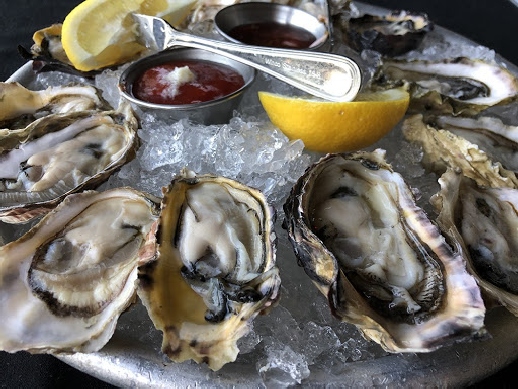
[
  {"x": 65, "y": 283},
  {"x": 214, "y": 268},
  {"x": 458, "y": 85},
  {"x": 381, "y": 263},
  {"x": 59, "y": 154}
]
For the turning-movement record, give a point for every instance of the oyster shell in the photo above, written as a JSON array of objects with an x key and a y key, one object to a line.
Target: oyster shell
[
  {"x": 477, "y": 206},
  {"x": 392, "y": 34},
  {"x": 443, "y": 149},
  {"x": 497, "y": 139},
  {"x": 47, "y": 52},
  {"x": 65, "y": 282},
  {"x": 381, "y": 263},
  {"x": 59, "y": 154},
  {"x": 20, "y": 106},
  {"x": 483, "y": 220},
  {"x": 214, "y": 269},
  {"x": 458, "y": 85}
]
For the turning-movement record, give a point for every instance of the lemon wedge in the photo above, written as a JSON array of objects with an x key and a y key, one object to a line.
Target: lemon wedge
[
  {"x": 101, "y": 33},
  {"x": 337, "y": 126}
]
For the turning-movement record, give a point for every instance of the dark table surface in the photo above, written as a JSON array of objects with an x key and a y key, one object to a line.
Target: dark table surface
[{"x": 489, "y": 23}]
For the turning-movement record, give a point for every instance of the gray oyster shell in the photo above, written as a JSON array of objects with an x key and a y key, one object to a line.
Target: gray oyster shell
[
  {"x": 211, "y": 269},
  {"x": 61, "y": 153},
  {"x": 381, "y": 263},
  {"x": 65, "y": 283}
]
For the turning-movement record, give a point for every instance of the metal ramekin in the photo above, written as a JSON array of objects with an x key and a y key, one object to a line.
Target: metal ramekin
[
  {"x": 255, "y": 12},
  {"x": 210, "y": 112}
]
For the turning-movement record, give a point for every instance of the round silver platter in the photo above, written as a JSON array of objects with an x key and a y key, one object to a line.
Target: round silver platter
[{"x": 132, "y": 358}]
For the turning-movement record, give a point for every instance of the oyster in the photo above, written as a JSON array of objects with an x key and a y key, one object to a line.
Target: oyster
[
  {"x": 497, "y": 139},
  {"x": 381, "y": 263},
  {"x": 59, "y": 154},
  {"x": 443, "y": 149},
  {"x": 65, "y": 282},
  {"x": 47, "y": 52},
  {"x": 214, "y": 269},
  {"x": 459, "y": 85},
  {"x": 392, "y": 34},
  {"x": 483, "y": 219},
  {"x": 20, "y": 106},
  {"x": 477, "y": 206}
]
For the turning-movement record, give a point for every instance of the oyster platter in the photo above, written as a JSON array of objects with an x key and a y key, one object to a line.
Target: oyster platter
[{"x": 160, "y": 252}]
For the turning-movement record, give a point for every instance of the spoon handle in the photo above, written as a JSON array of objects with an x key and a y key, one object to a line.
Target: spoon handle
[{"x": 329, "y": 76}]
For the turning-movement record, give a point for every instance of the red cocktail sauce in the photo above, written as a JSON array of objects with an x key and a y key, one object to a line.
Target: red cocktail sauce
[
  {"x": 273, "y": 34},
  {"x": 212, "y": 81}
]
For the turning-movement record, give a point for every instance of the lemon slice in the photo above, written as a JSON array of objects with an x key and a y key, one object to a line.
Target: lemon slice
[
  {"x": 101, "y": 33},
  {"x": 337, "y": 126}
]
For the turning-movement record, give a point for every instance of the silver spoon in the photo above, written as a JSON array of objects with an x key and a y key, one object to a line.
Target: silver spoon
[{"x": 328, "y": 76}]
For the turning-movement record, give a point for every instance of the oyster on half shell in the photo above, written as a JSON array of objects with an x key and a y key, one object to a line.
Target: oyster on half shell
[
  {"x": 381, "y": 263},
  {"x": 443, "y": 149},
  {"x": 20, "y": 106},
  {"x": 477, "y": 206},
  {"x": 457, "y": 85},
  {"x": 491, "y": 134},
  {"x": 214, "y": 268},
  {"x": 484, "y": 220},
  {"x": 59, "y": 154},
  {"x": 65, "y": 283}
]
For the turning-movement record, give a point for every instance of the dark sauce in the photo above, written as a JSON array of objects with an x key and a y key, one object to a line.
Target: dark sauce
[
  {"x": 272, "y": 34},
  {"x": 212, "y": 81}
]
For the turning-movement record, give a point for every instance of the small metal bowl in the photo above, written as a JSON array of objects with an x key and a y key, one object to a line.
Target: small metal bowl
[
  {"x": 256, "y": 13},
  {"x": 215, "y": 111}
]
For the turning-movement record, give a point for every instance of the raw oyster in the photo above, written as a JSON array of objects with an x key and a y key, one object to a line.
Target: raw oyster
[
  {"x": 381, "y": 263},
  {"x": 443, "y": 149},
  {"x": 477, "y": 205},
  {"x": 47, "y": 43},
  {"x": 214, "y": 269},
  {"x": 392, "y": 34},
  {"x": 459, "y": 85},
  {"x": 59, "y": 154},
  {"x": 65, "y": 283},
  {"x": 20, "y": 106},
  {"x": 497, "y": 139},
  {"x": 484, "y": 220},
  {"x": 47, "y": 52}
]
